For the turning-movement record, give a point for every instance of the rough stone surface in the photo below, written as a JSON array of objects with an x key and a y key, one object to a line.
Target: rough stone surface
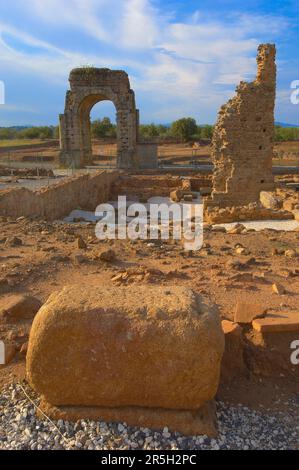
[
  {"x": 18, "y": 307},
  {"x": 187, "y": 422},
  {"x": 268, "y": 353},
  {"x": 89, "y": 86},
  {"x": 270, "y": 200},
  {"x": 277, "y": 322},
  {"x": 176, "y": 195},
  {"x": 232, "y": 362},
  {"x": 246, "y": 312},
  {"x": 253, "y": 211},
  {"x": 107, "y": 255},
  {"x": 242, "y": 146},
  {"x": 116, "y": 347},
  {"x": 86, "y": 191},
  {"x": 278, "y": 288}
]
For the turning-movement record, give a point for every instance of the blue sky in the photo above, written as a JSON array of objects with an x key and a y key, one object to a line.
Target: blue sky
[{"x": 184, "y": 58}]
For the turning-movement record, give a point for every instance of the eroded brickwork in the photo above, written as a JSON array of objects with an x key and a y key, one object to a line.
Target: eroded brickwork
[
  {"x": 242, "y": 146},
  {"x": 89, "y": 86}
]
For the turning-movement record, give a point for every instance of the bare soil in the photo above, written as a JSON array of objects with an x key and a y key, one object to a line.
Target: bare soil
[
  {"x": 285, "y": 153},
  {"x": 49, "y": 258}
]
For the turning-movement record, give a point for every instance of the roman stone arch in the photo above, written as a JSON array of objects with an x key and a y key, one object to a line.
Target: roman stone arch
[{"x": 88, "y": 86}]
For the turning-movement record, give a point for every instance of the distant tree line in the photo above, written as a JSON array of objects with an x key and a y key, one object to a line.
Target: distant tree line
[
  {"x": 42, "y": 132},
  {"x": 182, "y": 130},
  {"x": 283, "y": 134},
  {"x": 103, "y": 128}
]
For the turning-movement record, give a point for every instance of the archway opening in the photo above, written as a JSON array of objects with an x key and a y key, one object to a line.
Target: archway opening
[{"x": 98, "y": 131}]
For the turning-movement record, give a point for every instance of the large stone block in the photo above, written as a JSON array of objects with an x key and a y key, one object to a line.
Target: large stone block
[
  {"x": 14, "y": 307},
  {"x": 233, "y": 362},
  {"x": 270, "y": 200},
  {"x": 150, "y": 347}
]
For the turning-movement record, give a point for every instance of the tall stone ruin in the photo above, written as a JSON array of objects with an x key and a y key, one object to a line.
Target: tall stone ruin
[
  {"x": 242, "y": 146},
  {"x": 89, "y": 86}
]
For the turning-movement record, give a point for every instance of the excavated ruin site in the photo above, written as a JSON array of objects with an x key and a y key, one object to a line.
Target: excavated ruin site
[{"x": 141, "y": 343}]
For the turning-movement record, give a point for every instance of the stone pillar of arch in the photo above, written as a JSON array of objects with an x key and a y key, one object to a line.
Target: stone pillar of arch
[{"x": 88, "y": 86}]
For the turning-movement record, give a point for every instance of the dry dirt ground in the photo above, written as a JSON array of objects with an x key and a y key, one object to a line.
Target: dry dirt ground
[
  {"x": 46, "y": 257},
  {"x": 49, "y": 258},
  {"x": 285, "y": 153}
]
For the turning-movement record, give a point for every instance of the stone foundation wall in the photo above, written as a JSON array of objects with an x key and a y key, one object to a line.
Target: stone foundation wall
[
  {"x": 85, "y": 191},
  {"x": 144, "y": 187},
  {"x": 147, "y": 155},
  {"x": 244, "y": 213},
  {"x": 242, "y": 147}
]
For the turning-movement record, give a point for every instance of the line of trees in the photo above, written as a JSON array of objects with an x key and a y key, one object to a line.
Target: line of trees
[
  {"x": 182, "y": 130},
  {"x": 103, "y": 128},
  {"x": 283, "y": 134},
  {"x": 42, "y": 132}
]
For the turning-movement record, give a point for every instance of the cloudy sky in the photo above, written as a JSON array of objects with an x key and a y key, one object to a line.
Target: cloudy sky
[{"x": 184, "y": 58}]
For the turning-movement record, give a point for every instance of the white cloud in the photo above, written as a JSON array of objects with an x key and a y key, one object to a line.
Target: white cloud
[
  {"x": 18, "y": 108},
  {"x": 140, "y": 24},
  {"x": 52, "y": 63},
  {"x": 262, "y": 24},
  {"x": 192, "y": 63},
  {"x": 83, "y": 14}
]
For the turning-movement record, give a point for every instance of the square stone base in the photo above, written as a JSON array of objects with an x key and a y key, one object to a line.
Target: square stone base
[{"x": 189, "y": 423}]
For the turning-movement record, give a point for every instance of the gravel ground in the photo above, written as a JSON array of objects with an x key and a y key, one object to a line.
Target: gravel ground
[
  {"x": 284, "y": 225},
  {"x": 239, "y": 428}
]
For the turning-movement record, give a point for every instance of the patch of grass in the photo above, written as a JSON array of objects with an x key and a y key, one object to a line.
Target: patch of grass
[{"x": 19, "y": 142}]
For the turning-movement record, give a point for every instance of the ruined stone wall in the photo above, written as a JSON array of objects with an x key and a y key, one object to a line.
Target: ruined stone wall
[
  {"x": 88, "y": 87},
  {"x": 85, "y": 191},
  {"x": 147, "y": 154},
  {"x": 242, "y": 147}
]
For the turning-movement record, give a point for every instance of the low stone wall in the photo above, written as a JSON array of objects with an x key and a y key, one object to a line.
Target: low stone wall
[
  {"x": 85, "y": 191},
  {"x": 146, "y": 186},
  {"x": 147, "y": 155},
  {"x": 252, "y": 211}
]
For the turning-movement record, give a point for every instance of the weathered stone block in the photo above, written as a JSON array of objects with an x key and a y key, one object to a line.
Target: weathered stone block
[
  {"x": 18, "y": 307},
  {"x": 277, "y": 322},
  {"x": 152, "y": 347},
  {"x": 233, "y": 361},
  {"x": 246, "y": 312},
  {"x": 270, "y": 200}
]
